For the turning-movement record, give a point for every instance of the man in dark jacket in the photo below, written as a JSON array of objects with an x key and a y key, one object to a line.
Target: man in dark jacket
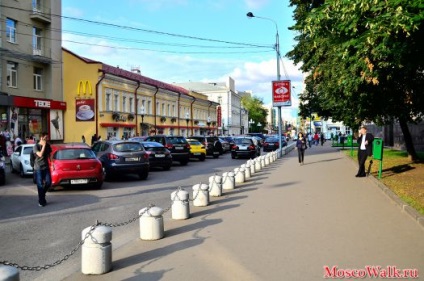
[
  {"x": 42, "y": 152},
  {"x": 364, "y": 149}
]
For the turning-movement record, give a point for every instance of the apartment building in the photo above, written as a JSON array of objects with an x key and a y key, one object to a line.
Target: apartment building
[{"x": 31, "y": 99}]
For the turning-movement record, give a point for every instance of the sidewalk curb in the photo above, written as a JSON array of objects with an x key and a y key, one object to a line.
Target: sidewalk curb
[{"x": 395, "y": 198}]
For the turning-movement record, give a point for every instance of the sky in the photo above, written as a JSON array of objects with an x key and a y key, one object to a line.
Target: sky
[{"x": 177, "y": 41}]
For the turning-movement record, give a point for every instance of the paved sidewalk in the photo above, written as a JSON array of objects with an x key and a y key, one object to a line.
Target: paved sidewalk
[{"x": 286, "y": 223}]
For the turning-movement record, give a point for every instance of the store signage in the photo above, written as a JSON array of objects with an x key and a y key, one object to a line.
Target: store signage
[
  {"x": 38, "y": 103},
  {"x": 42, "y": 103},
  {"x": 218, "y": 116},
  {"x": 84, "y": 88}
]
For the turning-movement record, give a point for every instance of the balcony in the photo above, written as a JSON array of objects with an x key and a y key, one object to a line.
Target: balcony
[
  {"x": 37, "y": 52},
  {"x": 41, "y": 14}
]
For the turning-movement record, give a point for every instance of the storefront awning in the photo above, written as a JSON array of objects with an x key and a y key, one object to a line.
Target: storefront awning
[{"x": 117, "y": 125}]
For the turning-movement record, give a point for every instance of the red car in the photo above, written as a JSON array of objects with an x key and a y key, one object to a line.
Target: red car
[{"x": 75, "y": 164}]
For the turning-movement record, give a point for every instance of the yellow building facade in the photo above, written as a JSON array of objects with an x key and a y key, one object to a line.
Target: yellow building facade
[{"x": 109, "y": 102}]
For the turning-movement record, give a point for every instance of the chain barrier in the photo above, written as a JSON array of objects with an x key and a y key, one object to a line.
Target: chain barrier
[{"x": 93, "y": 227}]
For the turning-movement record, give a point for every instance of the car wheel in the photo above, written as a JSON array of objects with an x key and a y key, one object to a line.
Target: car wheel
[
  {"x": 13, "y": 170},
  {"x": 98, "y": 185},
  {"x": 216, "y": 156},
  {"x": 108, "y": 175},
  {"x": 167, "y": 167},
  {"x": 183, "y": 162},
  {"x": 233, "y": 155},
  {"x": 21, "y": 171},
  {"x": 144, "y": 174},
  {"x": 202, "y": 158},
  {"x": 3, "y": 179}
]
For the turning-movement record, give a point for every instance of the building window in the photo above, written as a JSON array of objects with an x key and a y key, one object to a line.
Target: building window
[
  {"x": 12, "y": 74},
  {"x": 115, "y": 102},
  {"x": 157, "y": 108},
  {"x": 169, "y": 110},
  {"x": 124, "y": 104},
  {"x": 163, "y": 109},
  {"x": 11, "y": 30},
  {"x": 173, "y": 110},
  {"x": 149, "y": 107},
  {"x": 220, "y": 100},
  {"x": 131, "y": 105},
  {"x": 38, "y": 79},
  {"x": 36, "y": 41},
  {"x": 108, "y": 102}
]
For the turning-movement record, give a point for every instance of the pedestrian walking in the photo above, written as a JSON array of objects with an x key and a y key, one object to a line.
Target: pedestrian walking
[
  {"x": 316, "y": 139},
  {"x": 301, "y": 147},
  {"x": 322, "y": 139},
  {"x": 42, "y": 152},
  {"x": 310, "y": 139},
  {"x": 83, "y": 139},
  {"x": 364, "y": 149}
]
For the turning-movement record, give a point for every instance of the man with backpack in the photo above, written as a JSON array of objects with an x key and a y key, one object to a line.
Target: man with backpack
[{"x": 42, "y": 177}]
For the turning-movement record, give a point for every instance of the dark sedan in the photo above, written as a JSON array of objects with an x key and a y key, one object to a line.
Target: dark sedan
[
  {"x": 120, "y": 157},
  {"x": 159, "y": 156}
]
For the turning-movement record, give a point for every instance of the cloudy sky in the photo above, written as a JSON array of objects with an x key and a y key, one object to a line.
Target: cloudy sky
[{"x": 187, "y": 40}]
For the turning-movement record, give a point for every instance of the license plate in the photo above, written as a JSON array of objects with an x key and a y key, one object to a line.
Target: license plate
[
  {"x": 179, "y": 148},
  {"x": 243, "y": 148},
  {"x": 131, "y": 159},
  {"x": 216, "y": 152},
  {"x": 79, "y": 181},
  {"x": 159, "y": 155},
  {"x": 197, "y": 153}
]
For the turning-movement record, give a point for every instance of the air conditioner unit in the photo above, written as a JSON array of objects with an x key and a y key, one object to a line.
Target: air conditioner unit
[{"x": 36, "y": 52}]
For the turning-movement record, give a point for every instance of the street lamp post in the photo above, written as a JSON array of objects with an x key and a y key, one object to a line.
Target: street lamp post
[
  {"x": 259, "y": 126},
  {"x": 277, "y": 50},
  {"x": 187, "y": 115},
  {"x": 250, "y": 124},
  {"x": 142, "y": 112}
]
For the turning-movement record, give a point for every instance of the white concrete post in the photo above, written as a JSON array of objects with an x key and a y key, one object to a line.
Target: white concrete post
[
  {"x": 228, "y": 181},
  {"x": 9, "y": 273},
  {"x": 258, "y": 165},
  {"x": 262, "y": 159},
  {"x": 151, "y": 223},
  {"x": 200, "y": 195},
  {"x": 247, "y": 174},
  {"x": 239, "y": 175},
  {"x": 96, "y": 252},
  {"x": 252, "y": 167},
  {"x": 215, "y": 185},
  {"x": 180, "y": 207},
  {"x": 267, "y": 159}
]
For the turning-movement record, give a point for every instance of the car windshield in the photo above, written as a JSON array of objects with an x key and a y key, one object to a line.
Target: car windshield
[
  {"x": 194, "y": 142},
  {"x": 176, "y": 140},
  {"x": 243, "y": 141},
  {"x": 74, "y": 153},
  {"x": 27, "y": 150},
  {"x": 128, "y": 147},
  {"x": 272, "y": 140}
]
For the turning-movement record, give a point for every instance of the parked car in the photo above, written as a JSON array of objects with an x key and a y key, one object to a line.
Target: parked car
[
  {"x": 225, "y": 144},
  {"x": 75, "y": 164},
  {"x": 271, "y": 144},
  {"x": 120, "y": 157},
  {"x": 2, "y": 169},
  {"x": 139, "y": 139},
  {"x": 159, "y": 156},
  {"x": 197, "y": 150},
  {"x": 212, "y": 144},
  {"x": 178, "y": 145},
  {"x": 20, "y": 160},
  {"x": 245, "y": 147}
]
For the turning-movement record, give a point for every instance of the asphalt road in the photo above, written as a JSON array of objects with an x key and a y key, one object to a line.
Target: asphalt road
[{"x": 34, "y": 236}]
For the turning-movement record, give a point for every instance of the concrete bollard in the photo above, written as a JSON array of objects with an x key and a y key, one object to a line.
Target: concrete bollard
[
  {"x": 228, "y": 181},
  {"x": 96, "y": 252},
  {"x": 246, "y": 171},
  {"x": 200, "y": 195},
  {"x": 180, "y": 207},
  {"x": 262, "y": 159},
  {"x": 215, "y": 185},
  {"x": 267, "y": 160},
  {"x": 239, "y": 175},
  {"x": 151, "y": 223},
  {"x": 252, "y": 167},
  {"x": 258, "y": 165},
  {"x": 8, "y": 273}
]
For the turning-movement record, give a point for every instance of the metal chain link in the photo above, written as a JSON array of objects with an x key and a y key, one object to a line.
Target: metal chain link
[{"x": 47, "y": 266}]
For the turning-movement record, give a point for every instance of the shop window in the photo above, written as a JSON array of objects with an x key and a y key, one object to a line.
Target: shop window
[{"x": 38, "y": 79}]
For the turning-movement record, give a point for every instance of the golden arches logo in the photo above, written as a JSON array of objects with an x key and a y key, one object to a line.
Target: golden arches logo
[{"x": 84, "y": 88}]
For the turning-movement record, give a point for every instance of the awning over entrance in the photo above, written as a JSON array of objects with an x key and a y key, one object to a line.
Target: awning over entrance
[{"x": 117, "y": 125}]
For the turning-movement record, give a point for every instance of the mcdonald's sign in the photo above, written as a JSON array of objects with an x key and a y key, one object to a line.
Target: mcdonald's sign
[{"x": 84, "y": 88}]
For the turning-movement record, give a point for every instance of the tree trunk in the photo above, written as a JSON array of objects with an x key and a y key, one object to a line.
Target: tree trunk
[{"x": 408, "y": 140}]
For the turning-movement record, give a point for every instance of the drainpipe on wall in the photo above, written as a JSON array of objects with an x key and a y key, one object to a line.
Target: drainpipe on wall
[
  {"x": 136, "y": 106},
  {"x": 97, "y": 101},
  {"x": 178, "y": 113},
  {"x": 192, "y": 115},
  {"x": 154, "y": 105}
]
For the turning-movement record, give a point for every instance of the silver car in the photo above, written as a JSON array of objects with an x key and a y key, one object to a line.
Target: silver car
[
  {"x": 20, "y": 160},
  {"x": 245, "y": 147}
]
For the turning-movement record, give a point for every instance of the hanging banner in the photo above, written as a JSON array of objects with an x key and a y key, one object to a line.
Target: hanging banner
[
  {"x": 56, "y": 125},
  {"x": 281, "y": 93}
]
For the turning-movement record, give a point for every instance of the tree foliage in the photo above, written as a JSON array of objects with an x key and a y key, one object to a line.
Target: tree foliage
[
  {"x": 257, "y": 112},
  {"x": 363, "y": 58}
]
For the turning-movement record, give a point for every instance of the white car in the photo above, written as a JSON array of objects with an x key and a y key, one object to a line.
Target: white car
[{"x": 20, "y": 160}]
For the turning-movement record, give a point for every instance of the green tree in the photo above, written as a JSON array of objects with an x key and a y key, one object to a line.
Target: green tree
[
  {"x": 257, "y": 112},
  {"x": 364, "y": 60}
]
